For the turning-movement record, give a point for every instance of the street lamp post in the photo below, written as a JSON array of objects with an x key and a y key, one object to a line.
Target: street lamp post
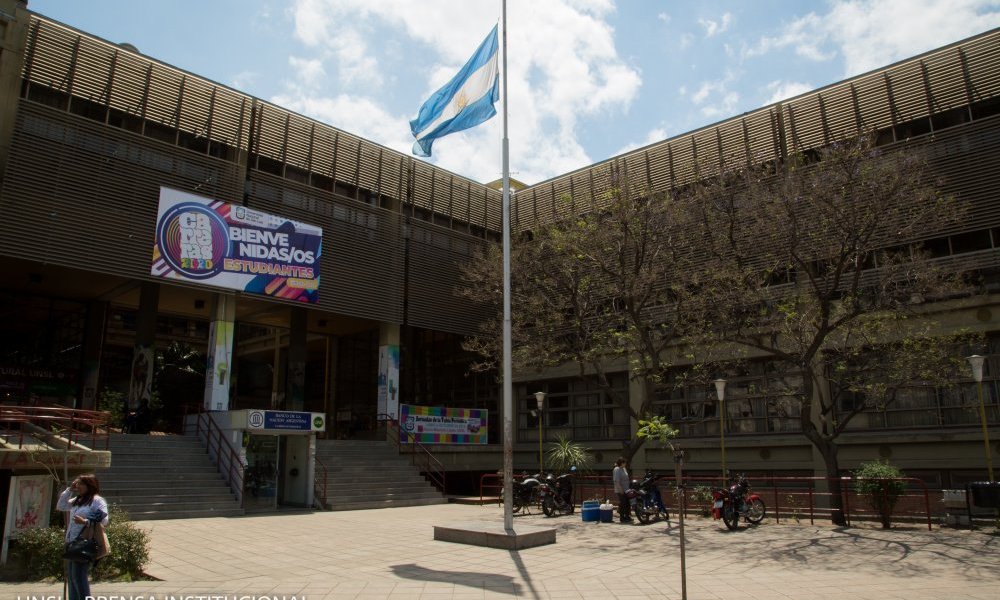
[
  {"x": 720, "y": 390},
  {"x": 540, "y": 398},
  {"x": 976, "y": 362}
]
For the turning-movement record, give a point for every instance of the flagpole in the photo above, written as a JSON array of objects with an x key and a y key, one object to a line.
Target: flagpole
[{"x": 508, "y": 404}]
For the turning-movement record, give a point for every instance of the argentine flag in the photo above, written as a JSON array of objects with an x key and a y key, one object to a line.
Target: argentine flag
[{"x": 464, "y": 102}]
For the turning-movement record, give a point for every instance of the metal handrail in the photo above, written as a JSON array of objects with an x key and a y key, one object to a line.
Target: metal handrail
[
  {"x": 77, "y": 425},
  {"x": 430, "y": 465},
  {"x": 799, "y": 491},
  {"x": 213, "y": 433},
  {"x": 320, "y": 489}
]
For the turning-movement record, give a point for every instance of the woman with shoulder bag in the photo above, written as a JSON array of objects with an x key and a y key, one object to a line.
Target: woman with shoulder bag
[{"x": 84, "y": 509}]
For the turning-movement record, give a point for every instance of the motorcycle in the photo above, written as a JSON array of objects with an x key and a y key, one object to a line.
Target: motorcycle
[
  {"x": 737, "y": 500},
  {"x": 646, "y": 502},
  {"x": 525, "y": 493},
  {"x": 556, "y": 494}
]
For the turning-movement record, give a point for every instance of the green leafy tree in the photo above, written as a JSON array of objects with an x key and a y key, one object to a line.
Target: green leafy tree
[
  {"x": 882, "y": 485},
  {"x": 818, "y": 266},
  {"x": 596, "y": 289}
]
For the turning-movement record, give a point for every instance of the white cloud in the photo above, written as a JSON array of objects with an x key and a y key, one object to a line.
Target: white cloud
[
  {"x": 872, "y": 33},
  {"x": 562, "y": 58},
  {"x": 654, "y": 135},
  {"x": 244, "y": 79},
  {"x": 714, "y": 98},
  {"x": 782, "y": 90},
  {"x": 309, "y": 72},
  {"x": 686, "y": 39},
  {"x": 663, "y": 17},
  {"x": 713, "y": 28}
]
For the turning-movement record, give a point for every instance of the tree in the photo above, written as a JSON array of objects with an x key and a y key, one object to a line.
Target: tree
[
  {"x": 818, "y": 264},
  {"x": 882, "y": 485},
  {"x": 598, "y": 290}
]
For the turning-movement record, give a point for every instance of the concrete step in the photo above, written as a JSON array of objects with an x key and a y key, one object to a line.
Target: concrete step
[
  {"x": 386, "y": 503},
  {"x": 153, "y": 515},
  {"x": 222, "y": 494},
  {"x": 155, "y": 478},
  {"x": 180, "y": 505}
]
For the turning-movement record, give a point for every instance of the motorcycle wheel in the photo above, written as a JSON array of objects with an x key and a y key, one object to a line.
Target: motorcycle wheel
[
  {"x": 549, "y": 507},
  {"x": 755, "y": 513},
  {"x": 516, "y": 506},
  {"x": 730, "y": 517},
  {"x": 642, "y": 514}
]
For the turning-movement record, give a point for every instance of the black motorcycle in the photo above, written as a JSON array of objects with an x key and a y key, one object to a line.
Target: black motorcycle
[
  {"x": 556, "y": 494},
  {"x": 646, "y": 501},
  {"x": 525, "y": 493}
]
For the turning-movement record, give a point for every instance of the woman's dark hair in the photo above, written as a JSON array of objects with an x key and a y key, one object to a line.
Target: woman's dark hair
[
  {"x": 93, "y": 488},
  {"x": 621, "y": 461}
]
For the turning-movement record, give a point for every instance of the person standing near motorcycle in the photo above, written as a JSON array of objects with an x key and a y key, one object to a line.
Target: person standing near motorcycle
[{"x": 620, "y": 478}]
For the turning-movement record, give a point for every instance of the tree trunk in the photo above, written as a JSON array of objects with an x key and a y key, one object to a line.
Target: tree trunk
[{"x": 829, "y": 451}]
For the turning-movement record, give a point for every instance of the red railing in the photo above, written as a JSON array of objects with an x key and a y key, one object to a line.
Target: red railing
[
  {"x": 785, "y": 497},
  {"x": 319, "y": 483},
  {"x": 227, "y": 459},
  {"x": 429, "y": 465},
  {"x": 75, "y": 426}
]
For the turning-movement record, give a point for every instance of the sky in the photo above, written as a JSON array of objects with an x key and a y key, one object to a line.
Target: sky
[{"x": 588, "y": 79}]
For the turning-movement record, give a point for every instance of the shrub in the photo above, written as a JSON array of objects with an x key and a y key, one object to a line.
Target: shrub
[
  {"x": 114, "y": 402},
  {"x": 702, "y": 495},
  {"x": 881, "y": 483},
  {"x": 39, "y": 550}
]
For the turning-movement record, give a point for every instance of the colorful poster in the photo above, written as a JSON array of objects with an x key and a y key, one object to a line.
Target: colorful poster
[
  {"x": 206, "y": 241},
  {"x": 439, "y": 425},
  {"x": 28, "y": 506},
  {"x": 388, "y": 380}
]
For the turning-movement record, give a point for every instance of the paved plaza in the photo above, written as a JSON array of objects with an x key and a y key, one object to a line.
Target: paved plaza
[{"x": 391, "y": 553}]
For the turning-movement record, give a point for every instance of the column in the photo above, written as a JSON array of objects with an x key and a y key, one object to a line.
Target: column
[
  {"x": 295, "y": 361},
  {"x": 388, "y": 370},
  {"x": 93, "y": 343},
  {"x": 218, "y": 368},
  {"x": 144, "y": 351}
]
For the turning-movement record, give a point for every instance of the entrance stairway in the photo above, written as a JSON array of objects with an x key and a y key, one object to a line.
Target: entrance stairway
[
  {"x": 371, "y": 474},
  {"x": 165, "y": 477}
]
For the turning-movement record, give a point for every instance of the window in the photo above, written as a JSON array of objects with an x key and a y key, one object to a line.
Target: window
[
  {"x": 760, "y": 397},
  {"x": 575, "y": 409}
]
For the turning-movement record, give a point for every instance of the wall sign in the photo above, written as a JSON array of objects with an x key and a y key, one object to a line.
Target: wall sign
[{"x": 206, "y": 241}]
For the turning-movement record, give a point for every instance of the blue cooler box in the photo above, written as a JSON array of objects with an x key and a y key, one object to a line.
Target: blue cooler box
[{"x": 590, "y": 510}]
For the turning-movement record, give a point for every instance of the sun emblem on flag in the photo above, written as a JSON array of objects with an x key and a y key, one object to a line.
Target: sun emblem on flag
[{"x": 461, "y": 100}]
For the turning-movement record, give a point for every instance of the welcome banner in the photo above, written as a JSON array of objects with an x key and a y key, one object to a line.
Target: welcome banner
[
  {"x": 439, "y": 425},
  {"x": 214, "y": 243}
]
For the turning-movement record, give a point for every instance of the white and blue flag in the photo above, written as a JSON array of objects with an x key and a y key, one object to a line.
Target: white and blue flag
[{"x": 465, "y": 101}]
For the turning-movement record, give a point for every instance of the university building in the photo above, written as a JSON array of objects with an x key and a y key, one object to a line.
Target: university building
[{"x": 339, "y": 294}]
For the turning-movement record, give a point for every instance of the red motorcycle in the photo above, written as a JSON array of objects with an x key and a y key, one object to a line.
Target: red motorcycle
[{"x": 735, "y": 501}]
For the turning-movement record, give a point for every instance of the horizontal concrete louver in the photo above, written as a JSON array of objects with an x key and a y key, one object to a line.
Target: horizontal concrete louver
[
  {"x": 52, "y": 56},
  {"x": 873, "y": 102},
  {"x": 324, "y": 147},
  {"x": 436, "y": 257},
  {"x": 164, "y": 96},
  {"x": 72, "y": 180},
  {"x": 299, "y": 141},
  {"x": 946, "y": 80},
  {"x": 909, "y": 94},
  {"x": 269, "y": 133},
  {"x": 197, "y": 108},
  {"x": 762, "y": 136},
  {"x": 838, "y": 113},
  {"x": 348, "y": 149},
  {"x": 362, "y": 268},
  {"x": 983, "y": 59},
  {"x": 92, "y": 72},
  {"x": 805, "y": 123}
]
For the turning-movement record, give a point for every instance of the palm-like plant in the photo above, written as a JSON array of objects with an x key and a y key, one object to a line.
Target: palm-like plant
[{"x": 564, "y": 454}]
